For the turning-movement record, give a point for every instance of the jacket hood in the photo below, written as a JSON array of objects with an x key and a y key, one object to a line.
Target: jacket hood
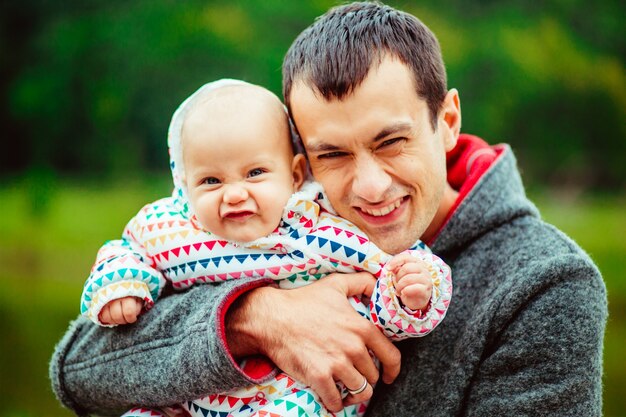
[
  {"x": 491, "y": 194},
  {"x": 174, "y": 137}
]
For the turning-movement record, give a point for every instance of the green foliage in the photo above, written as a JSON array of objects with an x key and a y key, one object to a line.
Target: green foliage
[
  {"x": 537, "y": 77},
  {"x": 90, "y": 87}
]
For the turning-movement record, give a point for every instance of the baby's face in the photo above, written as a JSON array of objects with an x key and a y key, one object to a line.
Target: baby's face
[{"x": 240, "y": 171}]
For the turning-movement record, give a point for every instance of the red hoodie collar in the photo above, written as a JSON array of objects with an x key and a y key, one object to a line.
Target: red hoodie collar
[{"x": 466, "y": 164}]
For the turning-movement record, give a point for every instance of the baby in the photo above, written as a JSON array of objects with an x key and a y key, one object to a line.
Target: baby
[{"x": 242, "y": 207}]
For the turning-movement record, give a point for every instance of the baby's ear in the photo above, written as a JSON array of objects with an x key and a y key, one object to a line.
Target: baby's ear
[
  {"x": 298, "y": 169},
  {"x": 183, "y": 182}
]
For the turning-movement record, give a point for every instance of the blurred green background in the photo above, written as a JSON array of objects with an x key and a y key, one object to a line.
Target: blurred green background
[{"x": 88, "y": 89}]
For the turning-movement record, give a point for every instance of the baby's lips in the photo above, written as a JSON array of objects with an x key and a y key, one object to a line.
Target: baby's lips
[{"x": 238, "y": 214}]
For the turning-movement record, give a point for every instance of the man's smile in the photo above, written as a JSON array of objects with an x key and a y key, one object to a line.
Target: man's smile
[{"x": 384, "y": 214}]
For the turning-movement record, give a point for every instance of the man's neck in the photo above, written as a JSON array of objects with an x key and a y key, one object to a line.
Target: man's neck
[{"x": 447, "y": 202}]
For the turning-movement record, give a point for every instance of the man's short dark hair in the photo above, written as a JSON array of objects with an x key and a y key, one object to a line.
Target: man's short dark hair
[{"x": 334, "y": 55}]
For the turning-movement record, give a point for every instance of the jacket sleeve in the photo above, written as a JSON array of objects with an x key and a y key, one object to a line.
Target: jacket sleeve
[
  {"x": 174, "y": 352},
  {"x": 123, "y": 268},
  {"x": 399, "y": 322},
  {"x": 349, "y": 249}
]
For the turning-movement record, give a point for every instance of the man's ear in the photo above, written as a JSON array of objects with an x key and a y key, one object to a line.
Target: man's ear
[
  {"x": 450, "y": 118},
  {"x": 298, "y": 169}
]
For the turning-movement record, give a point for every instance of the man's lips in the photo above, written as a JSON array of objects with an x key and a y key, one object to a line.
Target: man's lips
[{"x": 383, "y": 214}]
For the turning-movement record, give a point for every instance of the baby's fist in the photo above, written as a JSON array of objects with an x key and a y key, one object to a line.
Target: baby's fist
[
  {"x": 413, "y": 281},
  {"x": 121, "y": 311}
]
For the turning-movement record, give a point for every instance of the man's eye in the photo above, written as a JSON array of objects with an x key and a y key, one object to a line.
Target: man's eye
[
  {"x": 390, "y": 142},
  {"x": 332, "y": 155},
  {"x": 211, "y": 181},
  {"x": 256, "y": 172}
]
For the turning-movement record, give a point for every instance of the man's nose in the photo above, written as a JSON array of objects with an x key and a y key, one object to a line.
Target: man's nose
[
  {"x": 371, "y": 181},
  {"x": 235, "y": 193}
]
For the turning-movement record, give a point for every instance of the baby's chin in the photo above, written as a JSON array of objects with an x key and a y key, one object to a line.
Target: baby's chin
[
  {"x": 246, "y": 236},
  {"x": 242, "y": 230}
]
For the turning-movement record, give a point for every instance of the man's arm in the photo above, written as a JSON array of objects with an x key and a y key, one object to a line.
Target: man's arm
[
  {"x": 182, "y": 350},
  {"x": 313, "y": 334},
  {"x": 174, "y": 352}
]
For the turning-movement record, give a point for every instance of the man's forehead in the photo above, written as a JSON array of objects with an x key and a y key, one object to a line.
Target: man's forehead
[
  {"x": 385, "y": 103},
  {"x": 302, "y": 89}
]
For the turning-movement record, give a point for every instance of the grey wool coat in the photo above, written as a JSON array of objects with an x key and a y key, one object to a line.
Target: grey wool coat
[{"x": 523, "y": 335}]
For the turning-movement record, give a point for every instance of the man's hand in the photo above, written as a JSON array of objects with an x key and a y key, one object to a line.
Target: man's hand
[
  {"x": 121, "y": 311},
  {"x": 313, "y": 334}
]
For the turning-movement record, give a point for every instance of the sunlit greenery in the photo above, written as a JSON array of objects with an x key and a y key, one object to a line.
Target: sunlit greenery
[{"x": 90, "y": 86}]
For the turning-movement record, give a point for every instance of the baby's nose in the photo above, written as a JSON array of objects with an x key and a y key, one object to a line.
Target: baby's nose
[{"x": 235, "y": 193}]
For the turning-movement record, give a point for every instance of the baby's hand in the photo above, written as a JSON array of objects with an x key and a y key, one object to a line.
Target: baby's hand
[
  {"x": 413, "y": 281},
  {"x": 121, "y": 311}
]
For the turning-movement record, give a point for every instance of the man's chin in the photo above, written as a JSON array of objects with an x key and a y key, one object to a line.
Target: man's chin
[
  {"x": 393, "y": 248},
  {"x": 392, "y": 241}
]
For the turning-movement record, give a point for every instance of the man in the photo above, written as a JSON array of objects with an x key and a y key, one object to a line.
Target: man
[{"x": 366, "y": 88}]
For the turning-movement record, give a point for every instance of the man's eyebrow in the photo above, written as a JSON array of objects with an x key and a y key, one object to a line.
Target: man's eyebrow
[
  {"x": 322, "y": 147},
  {"x": 392, "y": 129},
  {"x": 387, "y": 131}
]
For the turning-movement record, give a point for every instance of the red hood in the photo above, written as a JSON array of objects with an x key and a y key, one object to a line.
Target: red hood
[
  {"x": 469, "y": 160},
  {"x": 466, "y": 164}
]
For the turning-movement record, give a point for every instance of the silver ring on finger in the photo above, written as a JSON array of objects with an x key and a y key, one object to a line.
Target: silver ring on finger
[{"x": 360, "y": 389}]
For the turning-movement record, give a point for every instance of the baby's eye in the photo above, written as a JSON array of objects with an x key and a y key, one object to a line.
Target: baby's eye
[
  {"x": 256, "y": 172},
  {"x": 211, "y": 181}
]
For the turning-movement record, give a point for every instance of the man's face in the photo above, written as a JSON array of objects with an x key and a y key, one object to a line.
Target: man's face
[{"x": 376, "y": 154}]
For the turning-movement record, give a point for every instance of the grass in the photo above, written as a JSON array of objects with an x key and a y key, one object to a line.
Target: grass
[
  {"x": 49, "y": 234},
  {"x": 47, "y": 246}
]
